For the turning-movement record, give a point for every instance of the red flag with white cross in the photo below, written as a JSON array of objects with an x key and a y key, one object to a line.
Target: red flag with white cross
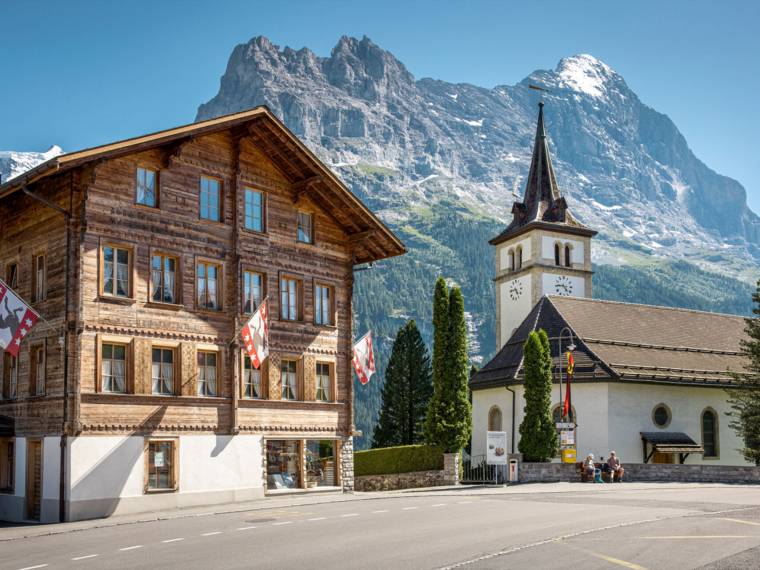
[
  {"x": 256, "y": 335},
  {"x": 364, "y": 359},
  {"x": 16, "y": 319}
]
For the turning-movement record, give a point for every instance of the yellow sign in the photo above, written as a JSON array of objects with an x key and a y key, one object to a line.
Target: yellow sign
[{"x": 568, "y": 455}]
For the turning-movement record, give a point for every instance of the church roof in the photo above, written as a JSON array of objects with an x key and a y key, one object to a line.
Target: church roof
[
  {"x": 542, "y": 205},
  {"x": 628, "y": 343}
]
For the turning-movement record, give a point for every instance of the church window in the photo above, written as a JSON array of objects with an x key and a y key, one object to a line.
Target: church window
[
  {"x": 568, "y": 259},
  {"x": 661, "y": 416},
  {"x": 519, "y": 258},
  {"x": 710, "y": 433},
  {"x": 557, "y": 254},
  {"x": 511, "y": 256},
  {"x": 494, "y": 419}
]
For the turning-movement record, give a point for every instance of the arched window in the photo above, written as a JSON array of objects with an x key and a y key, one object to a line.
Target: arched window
[
  {"x": 557, "y": 254},
  {"x": 494, "y": 419},
  {"x": 519, "y": 258},
  {"x": 568, "y": 260},
  {"x": 511, "y": 260},
  {"x": 570, "y": 418},
  {"x": 710, "y": 433}
]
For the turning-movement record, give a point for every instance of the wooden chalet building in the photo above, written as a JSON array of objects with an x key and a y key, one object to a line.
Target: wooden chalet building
[{"x": 144, "y": 258}]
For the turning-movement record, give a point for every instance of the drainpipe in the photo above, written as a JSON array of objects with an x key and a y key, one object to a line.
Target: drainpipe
[{"x": 513, "y": 416}]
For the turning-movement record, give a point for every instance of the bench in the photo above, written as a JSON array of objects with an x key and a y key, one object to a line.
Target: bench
[{"x": 586, "y": 478}]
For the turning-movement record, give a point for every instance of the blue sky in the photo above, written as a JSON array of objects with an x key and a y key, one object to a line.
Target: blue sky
[{"x": 81, "y": 73}]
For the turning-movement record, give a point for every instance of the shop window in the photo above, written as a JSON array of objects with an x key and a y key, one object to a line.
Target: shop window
[
  {"x": 251, "y": 380},
  {"x": 161, "y": 465},
  {"x": 207, "y": 373},
  {"x": 146, "y": 187},
  {"x": 283, "y": 464},
  {"x": 39, "y": 278},
  {"x": 253, "y": 291},
  {"x": 37, "y": 370},
  {"x": 323, "y": 382},
  {"x": 7, "y": 465},
  {"x": 288, "y": 373},
  {"x": 710, "y": 433},
  {"x": 323, "y": 304},
  {"x": 254, "y": 210},
  {"x": 208, "y": 286},
  {"x": 163, "y": 279},
  {"x": 494, "y": 419},
  {"x": 162, "y": 371},
  {"x": 321, "y": 463},
  {"x": 116, "y": 265},
  {"x": 210, "y": 199},
  {"x": 113, "y": 367}
]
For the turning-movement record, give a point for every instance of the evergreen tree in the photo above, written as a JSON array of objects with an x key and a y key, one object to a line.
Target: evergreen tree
[
  {"x": 406, "y": 392},
  {"x": 745, "y": 399},
  {"x": 449, "y": 419},
  {"x": 440, "y": 338},
  {"x": 538, "y": 436}
]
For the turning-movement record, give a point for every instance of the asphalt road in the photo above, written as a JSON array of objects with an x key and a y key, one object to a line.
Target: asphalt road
[{"x": 580, "y": 526}]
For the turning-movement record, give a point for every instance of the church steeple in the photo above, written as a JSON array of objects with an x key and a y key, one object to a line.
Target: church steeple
[{"x": 542, "y": 202}]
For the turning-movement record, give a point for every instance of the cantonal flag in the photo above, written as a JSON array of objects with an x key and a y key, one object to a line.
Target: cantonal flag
[
  {"x": 364, "y": 359},
  {"x": 256, "y": 335},
  {"x": 16, "y": 319}
]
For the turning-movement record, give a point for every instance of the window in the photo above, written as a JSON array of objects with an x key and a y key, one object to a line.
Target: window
[
  {"x": 37, "y": 371},
  {"x": 305, "y": 228},
  {"x": 162, "y": 371},
  {"x": 323, "y": 382},
  {"x": 494, "y": 419},
  {"x": 10, "y": 376},
  {"x": 161, "y": 463},
  {"x": 320, "y": 463},
  {"x": 288, "y": 379},
  {"x": 251, "y": 379},
  {"x": 323, "y": 305},
  {"x": 145, "y": 193},
  {"x": 710, "y": 433},
  {"x": 290, "y": 302},
  {"x": 283, "y": 464},
  {"x": 661, "y": 416},
  {"x": 163, "y": 281},
  {"x": 7, "y": 465},
  {"x": 568, "y": 259},
  {"x": 519, "y": 258},
  {"x": 254, "y": 210},
  {"x": 11, "y": 275},
  {"x": 253, "y": 291},
  {"x": 116, "y": 270},
  {"x": 39, "y": 286},
  {"x": 208, "y": 286},
  {"x": 511, "y": 260},
  {"x": 557, "y": 254},
  {"x": 206, "y": 373},
  {"x": 113, "y": 358},
  {"x": 210, "y": 199}
]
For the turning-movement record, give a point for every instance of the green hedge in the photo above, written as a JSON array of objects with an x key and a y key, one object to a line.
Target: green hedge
[{"x": 401, "y": 459}]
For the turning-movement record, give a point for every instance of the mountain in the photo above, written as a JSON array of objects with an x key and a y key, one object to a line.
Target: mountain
[
  {"x": 14, "y": 163},
  {"x": 442, "y": 164}
]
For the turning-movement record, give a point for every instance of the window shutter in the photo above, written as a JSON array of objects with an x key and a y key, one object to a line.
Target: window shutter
[
  {"x": 139, "y": 352},
  {"x": 301, "y": 393}
]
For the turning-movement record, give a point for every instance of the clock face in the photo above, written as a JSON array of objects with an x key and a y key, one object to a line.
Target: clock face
[
  {"x": 563, "y": 286},
  {"x": 515, "y": 290}
]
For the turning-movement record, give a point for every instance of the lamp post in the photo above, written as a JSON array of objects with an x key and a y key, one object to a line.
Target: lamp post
[{"x": 570, "y": 347}]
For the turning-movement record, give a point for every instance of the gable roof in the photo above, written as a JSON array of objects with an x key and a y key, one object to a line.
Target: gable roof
[
  {"x": 370, "y": 236},
  {"x": 627, "y": 342},
  {"x": 542, "y": 206}
]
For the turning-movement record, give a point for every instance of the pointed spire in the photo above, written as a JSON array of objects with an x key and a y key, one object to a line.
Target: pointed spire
[{"x": 542, "y": 201}]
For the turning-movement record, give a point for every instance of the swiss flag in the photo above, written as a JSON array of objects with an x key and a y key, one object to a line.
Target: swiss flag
[
  {"x": 16, "y": 319},
  {"x": 364, "y": 359},
  {"x": 256, "y": 335}
]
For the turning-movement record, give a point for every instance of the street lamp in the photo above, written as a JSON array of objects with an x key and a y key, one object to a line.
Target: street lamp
[{"x": 570, "y": 347}]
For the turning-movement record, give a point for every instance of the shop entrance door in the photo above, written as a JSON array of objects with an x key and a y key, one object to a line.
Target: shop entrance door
[{"x": 33, "y": 479}]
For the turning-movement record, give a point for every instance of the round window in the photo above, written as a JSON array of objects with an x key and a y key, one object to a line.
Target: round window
[{"x": 661, "y": 416}]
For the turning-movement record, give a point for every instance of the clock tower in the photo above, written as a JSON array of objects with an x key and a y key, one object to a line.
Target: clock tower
[{"x": 543, "y": 251}]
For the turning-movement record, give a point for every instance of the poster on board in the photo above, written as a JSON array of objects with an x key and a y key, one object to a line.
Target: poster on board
[{"x": 496, "y": 447}]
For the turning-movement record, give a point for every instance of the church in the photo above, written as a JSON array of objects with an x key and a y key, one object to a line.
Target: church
[{"x": 650, "y": 382}]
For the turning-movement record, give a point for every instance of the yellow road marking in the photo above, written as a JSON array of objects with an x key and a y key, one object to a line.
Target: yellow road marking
[
  {"x": 698, "y": 536},
  {"x": 741, "y": 521},
  {"x": 610, "y": 559}
]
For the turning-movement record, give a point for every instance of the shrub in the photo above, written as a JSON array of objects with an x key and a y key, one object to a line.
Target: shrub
[{"x": 401, "y": 459}]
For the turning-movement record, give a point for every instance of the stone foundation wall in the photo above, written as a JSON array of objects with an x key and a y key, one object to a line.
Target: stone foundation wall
[
  {"x": 347, "y": 464},
  {"x": 395, "y": 481}
]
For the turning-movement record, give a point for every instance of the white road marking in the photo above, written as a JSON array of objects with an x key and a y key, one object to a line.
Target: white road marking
[
  {"x": 212, "y": 533},
  {"x": 317, "y": 519},
  {"x": 409, "y": 508},
  {"x": 84, "y": 557},
  {"x": 33, "y": 567},
  {"x": 464, "y": 502},
  {"x": 245, "y": 528},
  {"x": 696, "y": 537},
  {"x": 172, "y": 540},
  {"x": 378, "y": 512},
  {"x": 439, "y": 505},
  {"x": 282, "y": 523},
  {"x": 349, "y": 515},
  {"x": 131, "y": 547},
  {"x": 741, "y": 521}
]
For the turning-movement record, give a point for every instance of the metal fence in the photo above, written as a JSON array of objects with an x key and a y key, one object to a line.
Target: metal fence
[{"x": 475, "y": 470}]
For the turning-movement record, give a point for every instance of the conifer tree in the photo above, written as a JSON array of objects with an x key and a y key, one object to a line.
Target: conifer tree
[
  {"x": 745, "y": 399},
  {"x": 440, "y": 338},
  {"x": 538, "y": 436},
  {"x": 406, "y": 392}
]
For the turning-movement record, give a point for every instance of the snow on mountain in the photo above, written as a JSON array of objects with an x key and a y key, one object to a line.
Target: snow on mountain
[{"x": 14, "y": 163}]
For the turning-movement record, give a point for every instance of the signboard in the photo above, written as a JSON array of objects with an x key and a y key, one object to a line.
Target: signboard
[
  {"x": 565, "y": 425},
  {"x": 496, "y": 447},
  {"x": 567, "y": 438},
  {"x": 158, "y": 459},
  {"x": 568, "y": 455}
]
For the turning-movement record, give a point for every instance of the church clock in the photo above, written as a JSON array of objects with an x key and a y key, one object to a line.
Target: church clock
[
  {"x": 515, "y": 290},
  {"x": 563, "y": 286}
]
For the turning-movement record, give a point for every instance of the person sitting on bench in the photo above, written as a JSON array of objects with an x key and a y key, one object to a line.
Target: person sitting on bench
[{"x": 617, "y": 469}]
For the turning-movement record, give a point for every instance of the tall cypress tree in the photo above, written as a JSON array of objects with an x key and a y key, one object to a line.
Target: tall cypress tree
[
  {"x": 440, "y": 341},
  {"x": 538, "y": 437},
  {"x": 745, "y": 399},
  {"x": 406, "y": 392}
]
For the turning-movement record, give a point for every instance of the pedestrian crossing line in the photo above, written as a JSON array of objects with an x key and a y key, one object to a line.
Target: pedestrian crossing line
[
  {"x": 213, "y": 533},
  {"x": 172, "y": 540},
  {"x": 741, "y": 521},
  {"x": 85, "y": 557}
]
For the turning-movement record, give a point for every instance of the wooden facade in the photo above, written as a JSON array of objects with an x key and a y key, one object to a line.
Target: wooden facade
[{"x": 80, "y": 212}]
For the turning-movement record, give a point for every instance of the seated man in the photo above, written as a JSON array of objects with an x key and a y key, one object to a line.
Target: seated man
[{"x": 617, "y": 469}]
